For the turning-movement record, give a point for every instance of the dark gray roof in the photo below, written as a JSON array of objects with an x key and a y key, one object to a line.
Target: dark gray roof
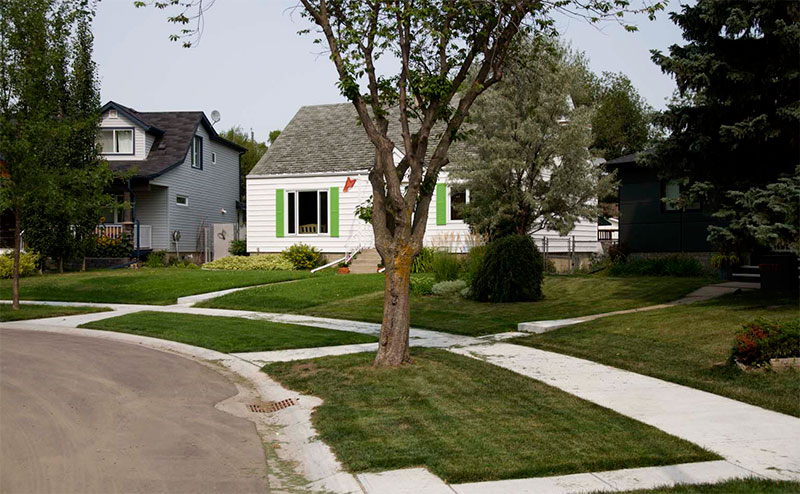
[
  {"x": 325, "y": 139},
  {"x": 623, "y": 160},
  {"x": 173, "y": 132}
]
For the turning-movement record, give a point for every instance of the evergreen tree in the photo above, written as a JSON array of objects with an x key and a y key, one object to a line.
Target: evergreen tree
[{"x": 736, "y": 124}]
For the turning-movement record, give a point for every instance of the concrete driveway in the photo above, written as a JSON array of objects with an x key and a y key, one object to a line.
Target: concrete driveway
[{"x": 80, "y": 414}]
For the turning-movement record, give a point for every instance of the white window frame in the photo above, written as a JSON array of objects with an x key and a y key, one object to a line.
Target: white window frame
[
  {"x": 197, "y": 163},
  {"x": 450, "y": 205},
  {"x": 185, "y": 199},
  {"x": 114, "y": 131},
  {"x": 296, "y": 193}
]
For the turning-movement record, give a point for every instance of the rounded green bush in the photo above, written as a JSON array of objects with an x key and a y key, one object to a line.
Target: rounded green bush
[
  {"x": 511, "y": 271},
  {"x": 303, "y": 256}
]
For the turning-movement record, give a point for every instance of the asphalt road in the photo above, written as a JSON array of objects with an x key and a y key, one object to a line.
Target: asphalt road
[{"x": 81, "y": 414}]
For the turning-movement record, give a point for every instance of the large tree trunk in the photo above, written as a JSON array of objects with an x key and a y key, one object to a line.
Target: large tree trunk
[
  {"x": 393, "y": 343},
  {"x": 17, "y": 248}
]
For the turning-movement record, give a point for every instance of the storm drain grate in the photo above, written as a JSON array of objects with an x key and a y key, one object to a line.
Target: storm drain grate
[{"x": 271, "y": 407}]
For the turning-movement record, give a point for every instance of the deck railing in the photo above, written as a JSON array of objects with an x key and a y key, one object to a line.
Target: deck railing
[{"x": 145, "y": 234}]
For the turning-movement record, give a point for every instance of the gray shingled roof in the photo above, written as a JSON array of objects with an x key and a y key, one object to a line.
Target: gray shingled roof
[
  {"x": 169, "y": 149},
  {"x": 324, "y": 139}
]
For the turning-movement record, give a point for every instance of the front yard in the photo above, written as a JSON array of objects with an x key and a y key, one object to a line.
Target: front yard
[
  {"x": 29, "y": 311},
  {"x": 360, "y": 297},
  {"x": 688, "y": 345},
  {"x": 159, "y": 286},
  {"x": 227, "y": 334},
  {"x": 467, "y": 420}
]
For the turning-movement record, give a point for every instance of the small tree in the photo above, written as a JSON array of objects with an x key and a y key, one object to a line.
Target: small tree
[
  {"x": 528, "y": 166},
  {"x": 448, "y": 52}
]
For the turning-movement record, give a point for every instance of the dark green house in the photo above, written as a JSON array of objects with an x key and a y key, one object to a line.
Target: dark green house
[{"x": 649, "y": 225}]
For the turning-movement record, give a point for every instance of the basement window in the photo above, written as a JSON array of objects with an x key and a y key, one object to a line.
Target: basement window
[
  {"x": 307, "y": 212},
  {"x": 181, "y": 200}
]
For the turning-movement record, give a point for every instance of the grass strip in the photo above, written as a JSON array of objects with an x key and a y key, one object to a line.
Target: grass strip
[
  {"x": 467, "y": 420},
  {"x": 227, "y": 334}
]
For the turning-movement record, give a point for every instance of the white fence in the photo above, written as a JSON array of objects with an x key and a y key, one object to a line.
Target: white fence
[{"x": 145, "y": 234}]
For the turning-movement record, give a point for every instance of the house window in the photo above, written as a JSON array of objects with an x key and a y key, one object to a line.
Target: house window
[
  {"x": 116, "y": 141},
  {"x": 181, "y": 200},
  {"x": 672, "y": 191},
  {"x": 197, "y": 152},
  {"x": 112, "y": 113},
  {"x": 458, "y": 199},
  {"x": 213, "y": 157},
  {"x": 307, "y": 212}
]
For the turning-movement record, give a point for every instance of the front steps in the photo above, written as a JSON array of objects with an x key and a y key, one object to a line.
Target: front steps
[
  {"x": 366, "y": 262},
  {"x": 748, "y": 274}
]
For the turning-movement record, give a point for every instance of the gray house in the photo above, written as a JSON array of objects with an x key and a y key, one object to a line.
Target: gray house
[{"x": 179, "y": 177}]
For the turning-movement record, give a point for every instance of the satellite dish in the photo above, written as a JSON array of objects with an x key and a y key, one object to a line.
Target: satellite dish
[{"x": 215, "y": 116}]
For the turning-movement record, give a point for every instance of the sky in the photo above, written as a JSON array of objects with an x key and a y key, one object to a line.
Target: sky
[{"x": 253, "y": 67}]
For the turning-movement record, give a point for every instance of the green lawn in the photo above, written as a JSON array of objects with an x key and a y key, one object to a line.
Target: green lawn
[
  {"x": 28, "y": 311},
  {"x": 360, "y": 297},
  {"x": 467, "y": 420},
  {"x": 227, "y": 334},
  {"x": 743, "y": 486},
  {"x": 161, "y": 286},
  {"x": 687, "y": 345}
]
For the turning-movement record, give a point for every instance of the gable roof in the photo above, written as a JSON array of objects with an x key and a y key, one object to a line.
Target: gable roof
[
  {"x": 173, "y": 132},
  {"x": 325, "y": 139}
]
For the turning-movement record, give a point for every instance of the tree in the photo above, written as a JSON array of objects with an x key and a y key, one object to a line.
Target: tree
[
  {"x": 447, "y": 53},
  {"x": 255, "y": 150},
  {"x": 528, "y": 166},
  {"x": 273, "y": 135},
  {"x": 736, "y": 125},
  {"x": 622, "y": 120},
  {"x": 48, "y": 119}
]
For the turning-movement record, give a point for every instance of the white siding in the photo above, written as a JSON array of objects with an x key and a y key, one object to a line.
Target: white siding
[
  {"x": 261, "y": 224},
  {"x": 140, "y": 146},
  {"x": 455, "y": 235}
]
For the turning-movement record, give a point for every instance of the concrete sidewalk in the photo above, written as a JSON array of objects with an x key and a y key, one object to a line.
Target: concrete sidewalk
[
  {"x": 753, "y": 441},
  {"x": 760, "y": 441}
]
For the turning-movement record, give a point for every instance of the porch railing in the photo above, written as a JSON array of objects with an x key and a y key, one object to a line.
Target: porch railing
[{"x": 116, "y": 231}]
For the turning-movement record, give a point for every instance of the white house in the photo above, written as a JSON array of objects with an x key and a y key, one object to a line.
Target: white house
[{"x": 308, "y": 185}]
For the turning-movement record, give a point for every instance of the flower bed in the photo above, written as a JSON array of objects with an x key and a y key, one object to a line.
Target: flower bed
[
  {"x": 262, "y": 262},
  {"x": 762, "y": 340}
]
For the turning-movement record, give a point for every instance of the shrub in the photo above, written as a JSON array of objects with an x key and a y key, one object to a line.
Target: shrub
[
  {"x": 423, "y": 263},
  {"x": 445, "y": 266},
  {"x": 448, "y": 287},
  {"x": 473, "y": 262},
  {"x": 675, "y": 265},
  {"x": 618, "y": 253},
  {"x": 238, "y": 248},
  {"x": 762, "y": 339},
  {"x": 303, "y": 256},
  {"x": 511, "y": 271},
  {"x": 111, "y": 247},
  {"x": 156, "y": 259},
  {"x": 260, "y": 262},
  {"x": 422, "y": 285},
  {"x": 27, "y": 264}
]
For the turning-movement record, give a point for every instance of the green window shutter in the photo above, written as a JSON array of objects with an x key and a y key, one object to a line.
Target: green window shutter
[
  {"x": 279, "y": 212},
  {"x": 334, "y": 198},
  {"x": 441, "y": 204}
]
